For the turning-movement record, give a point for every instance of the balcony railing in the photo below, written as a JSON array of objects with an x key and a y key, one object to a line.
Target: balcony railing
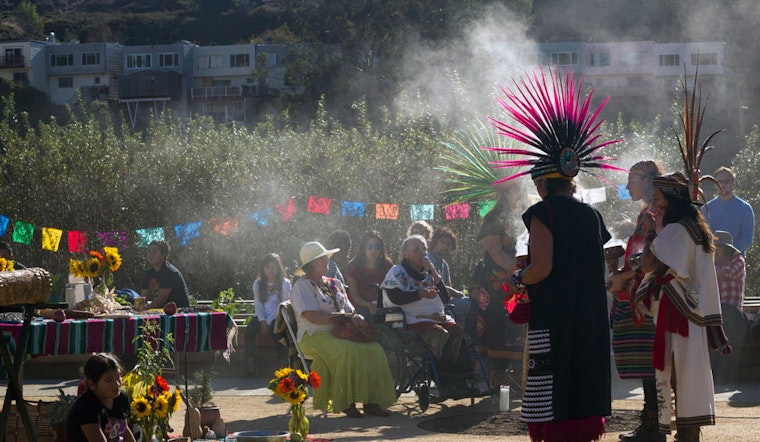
[
  {"x": 15, "y": 61},
  {"x": 198, "y": 93}
]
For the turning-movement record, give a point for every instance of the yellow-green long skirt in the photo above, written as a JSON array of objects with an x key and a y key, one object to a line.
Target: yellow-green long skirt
[{"x": 350, "y": 372}]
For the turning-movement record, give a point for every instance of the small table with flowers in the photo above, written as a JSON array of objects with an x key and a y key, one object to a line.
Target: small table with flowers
[{"x": 192, "y": 332}]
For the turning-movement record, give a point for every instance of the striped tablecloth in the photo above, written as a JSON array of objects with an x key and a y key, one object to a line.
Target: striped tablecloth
[{"x": 192, "y": 332}]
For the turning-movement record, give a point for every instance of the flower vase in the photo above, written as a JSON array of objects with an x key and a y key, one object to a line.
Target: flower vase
[{"x": 299, "y": 424}]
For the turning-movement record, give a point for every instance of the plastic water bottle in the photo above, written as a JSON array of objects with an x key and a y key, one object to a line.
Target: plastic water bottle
[{"x": 504, "y": 403}]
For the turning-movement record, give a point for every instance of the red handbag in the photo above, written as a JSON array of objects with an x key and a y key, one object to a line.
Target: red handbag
[{"x": 354, "y": 329}]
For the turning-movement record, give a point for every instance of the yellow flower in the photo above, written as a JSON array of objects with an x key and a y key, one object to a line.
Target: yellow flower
[
  {"x": 281, "y": 373},
  {"x": 296, "y": 397},
  {"x": 301, "y": 375},
  {"x": 161, "y": 407},
  {"x": 93, "y": 267},
  {"x": 76, "y": 268},
  {"x": 113, "y": 258},
  {"x": 140, "y": 407},
  {"x": 177, "y": 400}
]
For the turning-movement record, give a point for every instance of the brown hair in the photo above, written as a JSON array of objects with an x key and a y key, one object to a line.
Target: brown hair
[
  {"x": 649, "y": 169},
  {"x": 263, "y": 281},
  {"x": 443, "y": 232}
]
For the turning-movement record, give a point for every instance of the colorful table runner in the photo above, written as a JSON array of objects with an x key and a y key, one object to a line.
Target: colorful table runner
[{"x": 192, "y": 332}]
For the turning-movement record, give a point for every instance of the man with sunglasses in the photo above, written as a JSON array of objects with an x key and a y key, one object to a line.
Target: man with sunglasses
[{"x": 729, "y": 213}]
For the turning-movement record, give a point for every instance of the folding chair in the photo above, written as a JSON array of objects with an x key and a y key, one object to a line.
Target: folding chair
[{"x": 287, "y": 327}]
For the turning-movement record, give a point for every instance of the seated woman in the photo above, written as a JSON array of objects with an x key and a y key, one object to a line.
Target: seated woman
[
  {"x": 269, "y": 290},
  {"x": 415, "y": 286},
  {"x": 351, "y": 371},
  {"x": 366, "y": 271}
]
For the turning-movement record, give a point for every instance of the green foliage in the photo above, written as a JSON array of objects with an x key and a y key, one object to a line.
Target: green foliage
[
  {"x": 202, "y": 393},
  {"x": 27, "y": 15},
  {"x": 153, "y": 355},
  {"x": 227, "y": 302}
]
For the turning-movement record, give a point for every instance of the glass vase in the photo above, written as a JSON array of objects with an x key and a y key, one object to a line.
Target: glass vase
[{"x": 299, "y": 424}]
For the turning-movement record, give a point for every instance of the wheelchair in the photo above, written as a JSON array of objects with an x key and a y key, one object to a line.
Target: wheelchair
[{"x": 414, "y": 367}]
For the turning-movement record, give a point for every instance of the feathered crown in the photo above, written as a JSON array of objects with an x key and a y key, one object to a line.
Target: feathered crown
[
  {"x": 556, "y": 122},
  {"x": 686, "y": 186}
]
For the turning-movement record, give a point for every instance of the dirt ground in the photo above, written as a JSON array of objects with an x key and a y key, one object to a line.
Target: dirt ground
[{"x": 735, "y": 421}]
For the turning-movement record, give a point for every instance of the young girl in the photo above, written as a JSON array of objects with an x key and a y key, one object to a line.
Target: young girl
[
  {"x": 269, "y": 290},
  {"x": 101, "y": 413}
]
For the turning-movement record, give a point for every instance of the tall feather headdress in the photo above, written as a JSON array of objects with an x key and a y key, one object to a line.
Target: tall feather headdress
[
  {"x": 469, "y": 175},
  {"x": 556, "y": 122},
  {"x": 686, "y": 185}
]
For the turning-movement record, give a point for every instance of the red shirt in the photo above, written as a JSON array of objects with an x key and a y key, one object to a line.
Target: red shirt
[{"x": 731, "y": 281}]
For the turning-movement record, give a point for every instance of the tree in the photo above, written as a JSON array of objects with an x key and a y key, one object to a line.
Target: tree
[{"x": 26, "y": 14}]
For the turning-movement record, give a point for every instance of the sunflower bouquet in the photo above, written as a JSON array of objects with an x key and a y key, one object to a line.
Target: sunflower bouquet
[
  {"x": 153, "y": 401},
  {"x": 97, "y": 267},
  {"x": 292, "y": 386},
  {"x": 6, "y": 265}
]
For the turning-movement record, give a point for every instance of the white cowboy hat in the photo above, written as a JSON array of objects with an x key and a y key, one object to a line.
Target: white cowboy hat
[{"x": 311, "y": 251}]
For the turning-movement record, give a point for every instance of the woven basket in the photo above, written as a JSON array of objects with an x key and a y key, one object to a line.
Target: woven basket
[
  {"x": 39, "y": 412},
  {"x": 26, "y": 286}
]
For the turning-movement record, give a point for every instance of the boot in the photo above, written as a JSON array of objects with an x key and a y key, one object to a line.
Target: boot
[
  {"x": 690, "y": 434},
  {"x": 647, "y": 431}
]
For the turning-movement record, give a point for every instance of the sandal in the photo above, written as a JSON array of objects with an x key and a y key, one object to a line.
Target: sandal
[
  {"x": 375, "y": 410},
  {"x": 353, "y": 412}
]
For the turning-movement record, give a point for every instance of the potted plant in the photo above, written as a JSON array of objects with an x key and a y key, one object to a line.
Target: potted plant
[
  {"x": 200, "y": 397},
  {"x": 59, "y": 413}
]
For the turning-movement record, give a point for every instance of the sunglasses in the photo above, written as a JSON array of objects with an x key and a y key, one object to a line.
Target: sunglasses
[{"x": 371, "y": 246}]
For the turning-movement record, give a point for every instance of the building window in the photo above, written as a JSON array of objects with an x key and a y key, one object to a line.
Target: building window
[
  {"x": 221, "y": 83},
  {"x": 564, "y": 58},
  {"x": 21, "y": 77},
  {"x": 90, "y": 58},
  {"x": 240, "y": 60},
  {"x": 61, "y": 60},
  {"x": 65, "y": 82},
  {"x": 138, "y": 61},
  {"x": 634, "y": 58},
  {"x": 670, "y": 59},
  {"x": 13, "y": 56},
  {"x": 168, "y": 60},
  {"x": 209, "y": 61},
  {"x": 97, "y": 80},
  {"x": 599, "y": 58},
  {"x": 710, "y": 58}
]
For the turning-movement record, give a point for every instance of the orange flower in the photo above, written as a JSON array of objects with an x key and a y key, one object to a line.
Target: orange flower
[{"x": 314, "y": 380}]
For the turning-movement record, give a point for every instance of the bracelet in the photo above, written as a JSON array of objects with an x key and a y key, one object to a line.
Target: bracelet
[{"x": 516, "y": 279}]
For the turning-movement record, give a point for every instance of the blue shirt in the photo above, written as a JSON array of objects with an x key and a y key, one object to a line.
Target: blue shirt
[
  {"x": 333, "y": 271},
  {"x": 734, "y": 216},
  {"x": 441, "y": 266}
]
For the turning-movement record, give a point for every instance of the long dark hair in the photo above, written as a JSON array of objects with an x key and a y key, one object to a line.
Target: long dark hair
[
  {"x": 361, "y": 257},
  {"x": 679, "y": 209},
  {"x": 99, "y": 364},
  {"x": 262, "y": 278}
]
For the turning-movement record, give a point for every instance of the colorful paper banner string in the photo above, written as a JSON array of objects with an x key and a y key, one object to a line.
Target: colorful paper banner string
[
  {"x": 319, "y": 205},
  {"x": 23, "y": 232},
  {"x": 457, "y": 211},
  {"x": 3, "y": 224},
  {"x": 352, "y": 209},
  {"x": 386, "y": 211},
  {"x": 484, "y": 207},
  {"x": 286, "y": 209},
  {"x": 77, "y": 241},
  {"x": 51, "y": 238},
  {"x": 187, "y": 232},
  {"x": 225, "y": 226},
  {"x": 116, "y": 239},
  {"x": 261, "y": 217},
  {"x": 422, "y": 211},
  {"x": 147, "y": 236}
]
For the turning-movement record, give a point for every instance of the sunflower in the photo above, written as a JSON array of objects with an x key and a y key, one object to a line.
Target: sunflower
[
  {"x": 176, "y": 400},
  {"x": 6, "y": 264},
  {"x": 296, "y": 397},
  {"x": 113, "y": 258},
  {"x": 140, "y": 407},
  {"x": 76, "y": 268},
  {"x": 92, "y": 267},
  {"x": 287, "y": 385},
  {"x": 160, "y": 407},
  {"x": 283, "y": 372}
]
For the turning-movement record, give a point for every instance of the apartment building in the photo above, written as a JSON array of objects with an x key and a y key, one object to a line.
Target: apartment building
[
  {"x": 89, "y": 70},
  {"x": 23, "y": 61}
]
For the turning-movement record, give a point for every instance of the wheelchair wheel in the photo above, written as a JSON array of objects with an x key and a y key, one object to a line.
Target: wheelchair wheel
[
  {"x": 423, "y": 394},
  {"x": 397, "y": 365}
]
